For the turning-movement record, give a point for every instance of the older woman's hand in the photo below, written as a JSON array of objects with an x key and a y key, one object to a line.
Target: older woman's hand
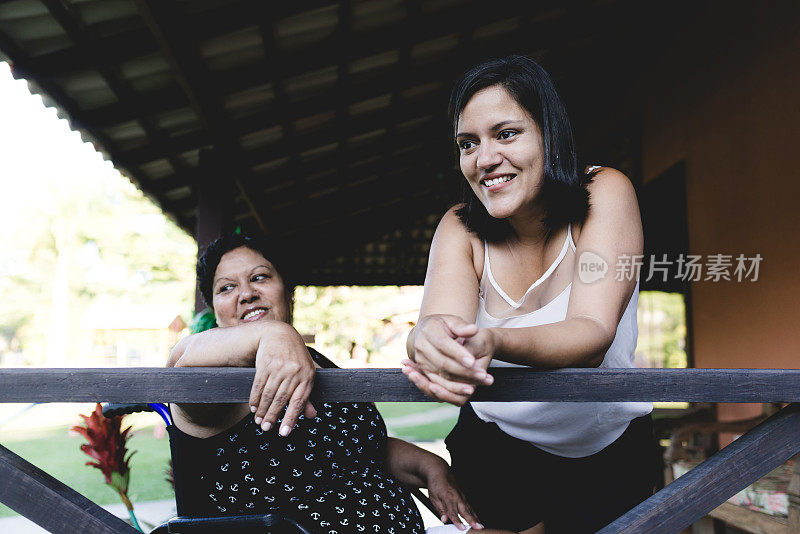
[
  {"x": 447, "y": 498},
  {"x": 284, "y": 378}
]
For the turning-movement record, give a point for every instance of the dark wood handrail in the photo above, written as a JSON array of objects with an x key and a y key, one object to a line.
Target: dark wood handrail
[
  {"x": 209, "y": 384},
  {"x": 673, "y": 508}
]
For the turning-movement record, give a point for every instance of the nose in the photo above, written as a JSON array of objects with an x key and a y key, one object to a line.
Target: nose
[
  {"x": 488, "y": 156},
  {"x": 247, "y": 294}
]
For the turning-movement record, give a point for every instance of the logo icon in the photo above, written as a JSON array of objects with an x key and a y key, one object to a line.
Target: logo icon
[{"x": 591, "y": 267}]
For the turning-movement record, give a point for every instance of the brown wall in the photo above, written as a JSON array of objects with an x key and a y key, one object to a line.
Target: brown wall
[{"x": 727, "y": 101}]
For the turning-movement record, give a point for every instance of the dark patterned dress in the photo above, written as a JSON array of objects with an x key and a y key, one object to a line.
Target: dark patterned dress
[{"x": 329, "y": 474}]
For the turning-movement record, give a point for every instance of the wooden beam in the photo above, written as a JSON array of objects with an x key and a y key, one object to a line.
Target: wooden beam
[
  {"x": 52, "y": 505},
  {"x": 351, "y": 385},
  {"x": 178, "y": 43},
  {"x": 711, "y": 483},
  {"x": 88, "y": 42},
  {"x": 327, "y": 53},
  {"x": 114, "y": 49}
]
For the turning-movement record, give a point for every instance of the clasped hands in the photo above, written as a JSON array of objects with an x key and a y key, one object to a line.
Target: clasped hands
[{"x": 450, "y": 358}]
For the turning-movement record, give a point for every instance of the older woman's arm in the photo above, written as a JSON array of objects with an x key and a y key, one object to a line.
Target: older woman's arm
[
  {"x": 284, "y": 372},
  {"x": 416, "y": 467}
]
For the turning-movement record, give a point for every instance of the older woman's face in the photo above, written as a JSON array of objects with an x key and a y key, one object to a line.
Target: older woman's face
[
  {"x": 248, "y": 288},
  {"x": 501, "y": 152}
]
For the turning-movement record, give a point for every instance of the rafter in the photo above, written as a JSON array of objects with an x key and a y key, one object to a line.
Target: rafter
[{"x": 163, "y": 19}]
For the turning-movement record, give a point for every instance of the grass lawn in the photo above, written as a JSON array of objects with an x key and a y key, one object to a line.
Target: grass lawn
[
  {"x": 398, "y": 409},
  {"x": 423, "y": 432},
  {"x": 56, "y": 452}
]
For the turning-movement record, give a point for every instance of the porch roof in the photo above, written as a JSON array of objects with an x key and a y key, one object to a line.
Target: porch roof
[{"x": 328, "y": 118}]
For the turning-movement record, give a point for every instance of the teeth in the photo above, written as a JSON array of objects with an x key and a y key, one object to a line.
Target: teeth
[
  {"x": 495, "y": 181},
  {"x": 252, "y": 314}
]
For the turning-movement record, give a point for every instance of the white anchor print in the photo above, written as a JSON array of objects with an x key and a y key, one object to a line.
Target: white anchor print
[
  {"x": 360, "y": 528},
  {"x": 290, "y": 447},
  {"x": 344, "y": 522},
  {"x": 245, "y": 464},
  {"x": 242, "y": 450},
  {"x": 309, "y": 457},
  {"x": 359, "y": 513},
  {"x": 212, "y": 497},
  {"x": 218, "y": 485},
  {"x": 224, "y": 467},
  {"x": 270, "y": 480},
  {"x": 222, "y": 509},
  {"x": 273, "y": 462},
  {"x": 234, "y": 487},
  {"x": 220, "y": 452},
  {"x": 314, "y": 515},
  {"x": 249, "y": 478},
  {"x": 254, "y": 490},
  {"x": 296, "y": 473}
]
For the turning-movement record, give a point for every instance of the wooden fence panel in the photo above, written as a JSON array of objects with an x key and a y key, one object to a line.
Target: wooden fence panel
[
  {"x": 49, "y": 503},
  {"x": 711, "y": 483},
  {"x": 352, "y": 385}
]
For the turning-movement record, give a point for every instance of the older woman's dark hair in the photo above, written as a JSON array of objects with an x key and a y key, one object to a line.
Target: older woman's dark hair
[
  {"x": 564, "y": 190},
  {"x": 209, "y": 260}
]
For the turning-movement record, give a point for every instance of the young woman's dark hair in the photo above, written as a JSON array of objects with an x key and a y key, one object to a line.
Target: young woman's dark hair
[
  {"x": 209, "y": 260},
  {"x": 564, "y": 189}
]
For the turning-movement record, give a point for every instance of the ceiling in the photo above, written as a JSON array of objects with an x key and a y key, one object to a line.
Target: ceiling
[{"x": 327, "y": 120}]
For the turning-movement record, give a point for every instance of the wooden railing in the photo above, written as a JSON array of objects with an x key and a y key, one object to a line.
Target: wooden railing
[{"x": 56, "y": 507}]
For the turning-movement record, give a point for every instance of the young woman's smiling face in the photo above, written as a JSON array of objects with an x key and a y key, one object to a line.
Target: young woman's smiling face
[
  {"x": 248, "y": 288},
  {"x": 501, "y": 152}
]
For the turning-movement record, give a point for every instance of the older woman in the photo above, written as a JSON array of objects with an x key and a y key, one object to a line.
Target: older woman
[
  {"x": 506, "y": 287},
  {"x": 331, "y": 467}
]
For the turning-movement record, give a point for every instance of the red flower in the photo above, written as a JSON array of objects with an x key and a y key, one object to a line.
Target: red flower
[{"x": 107, "y": 446}]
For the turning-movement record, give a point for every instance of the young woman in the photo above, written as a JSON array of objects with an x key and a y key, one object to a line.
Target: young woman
[
  {"x": 505, "y": 287},
  {"x": 331, "y": 467}
]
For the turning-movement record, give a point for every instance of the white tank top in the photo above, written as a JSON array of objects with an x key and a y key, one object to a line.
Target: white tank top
[{"x": 571, "y": 429}]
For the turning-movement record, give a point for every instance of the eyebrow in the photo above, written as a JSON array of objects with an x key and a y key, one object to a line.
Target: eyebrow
[
  {"x": 265, "y": 266},
  {"x": 495, "y": 127}
]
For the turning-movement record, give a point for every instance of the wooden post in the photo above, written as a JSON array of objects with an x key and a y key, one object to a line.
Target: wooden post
[
  {"x": 214, "y": 214},
  {"x": 711, "y": 483},
  {"x": 31, "y": 492}
]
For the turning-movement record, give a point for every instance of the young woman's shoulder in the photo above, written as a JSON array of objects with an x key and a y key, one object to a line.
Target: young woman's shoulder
[
  {"x": 453, "y": 239},
  {"x": 610, "y": 193}
]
